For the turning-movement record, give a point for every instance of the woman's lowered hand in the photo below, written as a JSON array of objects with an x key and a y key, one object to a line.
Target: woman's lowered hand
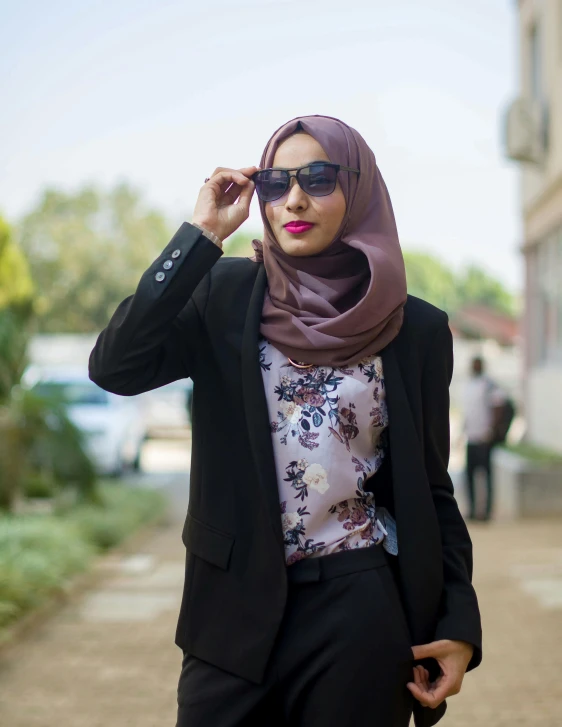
[{"x": 453, "y": 658}]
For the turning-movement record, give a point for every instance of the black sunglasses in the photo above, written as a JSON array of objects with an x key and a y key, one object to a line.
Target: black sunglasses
[{"x": 317, "y": 179}]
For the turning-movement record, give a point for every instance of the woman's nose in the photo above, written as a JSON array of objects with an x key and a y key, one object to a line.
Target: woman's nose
[{"x": 296, "y": 198}]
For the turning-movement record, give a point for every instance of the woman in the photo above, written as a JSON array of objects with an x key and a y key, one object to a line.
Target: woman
[{"x": 328, "y": 571}]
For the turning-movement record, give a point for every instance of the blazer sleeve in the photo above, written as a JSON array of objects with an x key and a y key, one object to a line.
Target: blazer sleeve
[
  {"x": 152, "y": 337},
  {"x": 459, "y": 614}
]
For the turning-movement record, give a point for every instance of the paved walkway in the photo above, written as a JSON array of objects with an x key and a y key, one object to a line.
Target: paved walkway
[{"x": 109, "y": 659}]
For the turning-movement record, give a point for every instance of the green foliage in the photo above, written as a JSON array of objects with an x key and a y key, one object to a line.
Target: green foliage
[
  {"x": 13, "y": 346},
  {"x": 40, "y": 485},
  {"x": 16, "y": 296},
  {"x": 119, "y": 512},
  {"x": 16, "y": 287},
  {"x": 240, "y": 245},
  {"x": 87, "y": 251},
  {"x": 477, "y": 286},
  {"x": 53, "y": 445},
  {"x": 39, "y": 553},
  {"x": 432, "y": 280},
  {"x": 533, "y": 452},
  {"x": 37, "y": 439},
  {"x": 15, "y": 311},
  {"x": 36, "y": 436}
]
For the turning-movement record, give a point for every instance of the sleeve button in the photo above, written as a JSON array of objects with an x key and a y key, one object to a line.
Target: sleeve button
[
  {"x": 176, "y": 254},
  {"x": 160, "y": 277},
  {"x": 168, "y": 264}
]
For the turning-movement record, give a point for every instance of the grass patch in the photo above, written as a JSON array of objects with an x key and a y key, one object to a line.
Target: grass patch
[
  {"x": 534, "y": 453},
  {"x": 39, "y": 553},
  {"x": 121, "y": 511}
]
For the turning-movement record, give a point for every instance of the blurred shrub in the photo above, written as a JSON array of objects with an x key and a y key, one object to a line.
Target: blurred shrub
[
  {"x": 39, "y": 553},
  {"x": 53, "y": 444},
  {"x": 16, "y": 307},
  {"x": 16, "y": 303},
  {"x": 39, "y": 485},
  {"x": 36, "y": 435},
  {"x": 119, "y": 512}
]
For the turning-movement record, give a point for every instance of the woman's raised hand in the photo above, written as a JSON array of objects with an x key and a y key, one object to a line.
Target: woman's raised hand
[{"x": 216, "y": 208}]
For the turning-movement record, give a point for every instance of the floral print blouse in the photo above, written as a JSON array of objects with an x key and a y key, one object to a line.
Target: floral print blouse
[{"x": 329, "y": 429}]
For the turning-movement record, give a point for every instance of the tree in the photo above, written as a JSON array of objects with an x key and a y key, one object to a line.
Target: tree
[
  {"x": 16, "y": 293},
  {"x": 430, "y": 279},
  {"x": 240, "y": 245},
  {"x": 477, "y": 286},
  {"x": 87, "y": 251},
  {"x": 16, "y": 306},
  {"x": 34, "y": 435}
]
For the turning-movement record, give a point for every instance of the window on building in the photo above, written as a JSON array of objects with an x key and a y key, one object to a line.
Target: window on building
[
  {"x": 560, "y": 30},
  {"x": 535, "y": 61},
  {"x": 545, "y": 300}
]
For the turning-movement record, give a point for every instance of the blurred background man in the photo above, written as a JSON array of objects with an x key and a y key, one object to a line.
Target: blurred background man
[{"x": 483, "y": 417}]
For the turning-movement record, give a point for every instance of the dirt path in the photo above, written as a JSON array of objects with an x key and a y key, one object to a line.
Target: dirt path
[{"x": 109, "y": 659}]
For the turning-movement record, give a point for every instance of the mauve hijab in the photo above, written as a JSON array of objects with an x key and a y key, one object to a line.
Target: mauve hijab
[{"x": 346, "y": 302}]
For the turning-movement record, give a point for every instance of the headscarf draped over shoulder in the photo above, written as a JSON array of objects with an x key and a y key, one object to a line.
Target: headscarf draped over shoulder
[{"x": 346, "y": 302}]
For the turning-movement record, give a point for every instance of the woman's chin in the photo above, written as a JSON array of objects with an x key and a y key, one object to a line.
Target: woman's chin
[{"x": 299, "y": 246}]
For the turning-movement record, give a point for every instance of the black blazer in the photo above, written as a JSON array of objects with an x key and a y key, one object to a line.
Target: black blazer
[{"x": 201, "y": 320}]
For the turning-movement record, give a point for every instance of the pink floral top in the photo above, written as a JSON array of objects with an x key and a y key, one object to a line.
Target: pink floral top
[{"x": 329, "y": 429}]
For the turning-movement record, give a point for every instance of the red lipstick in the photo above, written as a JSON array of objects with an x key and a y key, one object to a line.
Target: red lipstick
[{"x": 298, "y": 227}]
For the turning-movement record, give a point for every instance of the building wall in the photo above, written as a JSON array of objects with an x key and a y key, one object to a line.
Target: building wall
[
  {"x": 544, "y": 397},
  {"x": 541, "y": 200},
  {"x": 541, "y": 78}
]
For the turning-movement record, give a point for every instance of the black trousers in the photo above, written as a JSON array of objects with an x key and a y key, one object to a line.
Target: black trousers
[
  {"x": 478, "y": 457},
  {"x": 342, "y": 657}
]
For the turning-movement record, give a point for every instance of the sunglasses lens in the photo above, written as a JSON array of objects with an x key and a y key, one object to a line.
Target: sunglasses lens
[
  {"x": 318, "y": 180},
  {"x": 271, "y": 184}
]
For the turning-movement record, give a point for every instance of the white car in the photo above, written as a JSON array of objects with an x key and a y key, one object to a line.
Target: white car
[
  {"x": 114, "y": 427},
  {"x": 167, "y": 410}
]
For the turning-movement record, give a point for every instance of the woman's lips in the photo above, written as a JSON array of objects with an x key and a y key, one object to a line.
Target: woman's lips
[{"x": 297, "y": 228}]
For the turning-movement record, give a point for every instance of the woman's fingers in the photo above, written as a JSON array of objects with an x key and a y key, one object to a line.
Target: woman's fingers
[
  {"x": 241, "y": 209},
  {"x": 223, "y": 180},
  {"x": 232, "y": 186},
  {"x": 215, "y": 209},
  {"x": 230, "y": 195},
  {"x": 246, "y": 195},
  {"x": 431, "y": 694},
  {"x": 223, "y": 176},
  {"x": 227, "y": 187},
  {"x": 248, "y": 171}
]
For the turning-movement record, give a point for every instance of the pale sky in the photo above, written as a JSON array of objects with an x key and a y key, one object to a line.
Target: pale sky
[{"x": 159, "y": 93}]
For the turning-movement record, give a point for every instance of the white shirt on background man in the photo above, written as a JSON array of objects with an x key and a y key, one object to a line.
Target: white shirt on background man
[{"x": 480, "y": 398}]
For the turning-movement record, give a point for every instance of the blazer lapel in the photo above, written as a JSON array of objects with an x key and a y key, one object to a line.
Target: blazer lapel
[
  {"x": 419, "y": 545},
  {"x": 255, "y": 405}
]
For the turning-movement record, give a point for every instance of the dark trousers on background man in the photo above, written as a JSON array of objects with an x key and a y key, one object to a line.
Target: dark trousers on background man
[{"x": 478, "y": 457}]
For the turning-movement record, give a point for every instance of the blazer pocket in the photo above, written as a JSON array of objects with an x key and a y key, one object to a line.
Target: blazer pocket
[{"x": 207, "y": 542}]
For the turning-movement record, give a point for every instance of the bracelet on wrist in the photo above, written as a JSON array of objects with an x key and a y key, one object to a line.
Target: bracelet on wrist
[{"x": 211, "y": 235}]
